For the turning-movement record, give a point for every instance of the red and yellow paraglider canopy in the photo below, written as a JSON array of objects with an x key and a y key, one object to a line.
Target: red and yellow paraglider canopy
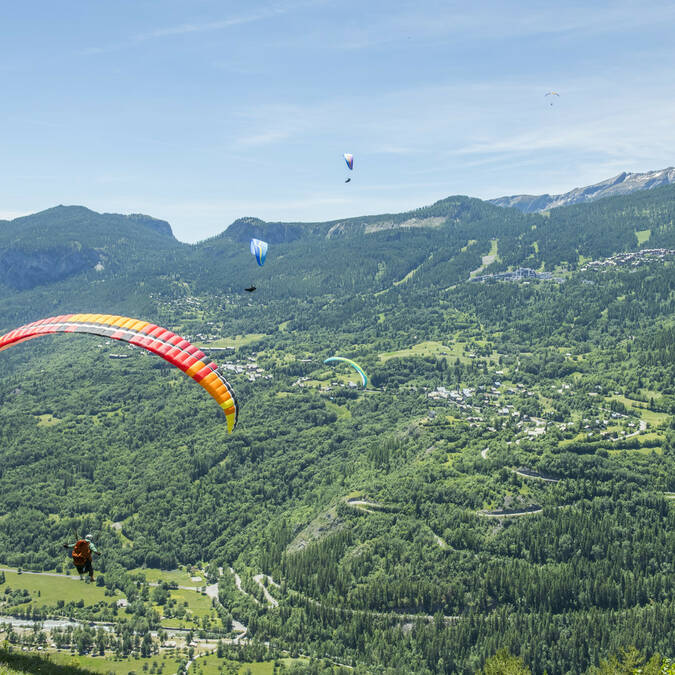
[{"x": 171, "y": 347}]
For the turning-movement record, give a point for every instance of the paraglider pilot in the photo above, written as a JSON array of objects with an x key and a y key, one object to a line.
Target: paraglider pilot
[{"x": 82, "y": 550}]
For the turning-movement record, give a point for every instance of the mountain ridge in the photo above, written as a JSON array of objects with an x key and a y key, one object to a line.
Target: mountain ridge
[
  {"x": 621, "y": 184},
  {"x": 63, "y": 241},
  {"x": 442, "y": 243}
]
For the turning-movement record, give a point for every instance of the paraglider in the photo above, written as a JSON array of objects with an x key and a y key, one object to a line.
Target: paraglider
[
  {"x": 349, "y": 159},
  {"x": 551, "y": 93},
  {"x": 259, "y": 250},
  {"x": 82, "y": 550},
  {"x": 355, "y": 366},
  {"x": 171, "y": 347},
  {"x": 250, "y": 289}
]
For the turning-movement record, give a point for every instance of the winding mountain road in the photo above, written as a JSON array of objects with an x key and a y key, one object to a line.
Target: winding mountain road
[
  {"x": 528, "y": 473},
  {"x": 258, "y": 578},
  {"x": 511, "y": 514}
]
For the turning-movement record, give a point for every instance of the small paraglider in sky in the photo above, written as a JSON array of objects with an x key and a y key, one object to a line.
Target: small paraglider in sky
[
  {"x": 250, "y": 289},
  {"x": 349, "y": 159},
  {"x": 259, "y": 250},
  {"x": 551, "y": 94}
]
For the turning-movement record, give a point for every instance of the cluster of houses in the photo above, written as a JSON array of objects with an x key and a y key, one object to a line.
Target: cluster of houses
[
  {"x": 473, "y": 401},
  {"x": 300, "y": 382},
  {"x": 633, "y": 259},
  {"x": 517, "y": 275},
  {"x": 459, "y": 396},
  {"x": 251, "y": 369}
]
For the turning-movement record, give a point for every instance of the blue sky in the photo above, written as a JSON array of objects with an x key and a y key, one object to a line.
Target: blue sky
[{"x": 200, "y": 112}]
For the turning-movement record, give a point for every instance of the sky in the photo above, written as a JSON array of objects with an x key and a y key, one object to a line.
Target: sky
[{"x": 200, "y": 112}]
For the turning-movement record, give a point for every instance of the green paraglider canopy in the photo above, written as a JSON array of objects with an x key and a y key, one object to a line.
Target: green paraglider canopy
[{"x": 355, "y": 366}]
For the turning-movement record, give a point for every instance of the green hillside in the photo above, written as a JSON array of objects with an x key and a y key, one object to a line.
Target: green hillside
[{"x": 505, "y": 481}]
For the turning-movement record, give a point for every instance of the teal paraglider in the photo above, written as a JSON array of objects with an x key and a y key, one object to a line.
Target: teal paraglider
[{"x": 355, "y": 366}]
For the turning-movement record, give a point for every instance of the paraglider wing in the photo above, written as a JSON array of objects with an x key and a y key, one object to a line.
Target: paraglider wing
[
  {"x": 250, "y": 289},
  {"x": 171, "y": 347},
  {"x": 259, "y": 250},
  {"x": 355, "y": 366},
  {"x": 350, "y": 160},
  {"x": 551, "y": 93}
]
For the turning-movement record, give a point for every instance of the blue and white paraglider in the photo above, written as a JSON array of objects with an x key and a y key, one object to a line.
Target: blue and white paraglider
[
  {"x": 349, "y": 159},
  {"x": 259, "y": 250}
]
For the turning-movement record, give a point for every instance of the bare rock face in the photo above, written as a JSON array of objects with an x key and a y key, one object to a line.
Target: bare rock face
[
  {"x": 22, "y": 270},
  {"x": 619, "y": 185}
]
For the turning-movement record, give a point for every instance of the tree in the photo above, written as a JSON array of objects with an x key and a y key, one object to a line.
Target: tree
[{"x": 504, "y": 663}]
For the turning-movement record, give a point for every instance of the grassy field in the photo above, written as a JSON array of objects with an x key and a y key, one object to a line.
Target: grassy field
[
  {"x": 488, "y": 258},
  {"x": 106, "y": 664},
  {"x": 428, "y": 348},
  {"x": 410, "y": 274},
  {"x": 643, "y": 236},
  {"x": 17, "y": 662},
  {"x": 655, "y": 419},
  {"x": 639, "y": 451},
  {"x": 48, "y": 590},
  {"x": 198, "y": 604},
  {"x": 181, "y": 577},
  {"x": 209, "y": 665},
  {"x": 47, "y": 420}
]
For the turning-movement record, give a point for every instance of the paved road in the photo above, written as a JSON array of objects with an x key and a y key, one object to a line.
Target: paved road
[
  {"x": 42, "y": 574},
  {"x": 237, "y": 583},
  {"x": 258, "y": 578},
  {"x": 533, "y": 474},
  {"x": 512, "y": 514}
]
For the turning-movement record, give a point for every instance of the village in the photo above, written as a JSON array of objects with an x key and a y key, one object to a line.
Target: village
[
  {"x": 503, "y": 406},
  {"x": 632, "y": 259},
  {"x": 518, "y": 275}
]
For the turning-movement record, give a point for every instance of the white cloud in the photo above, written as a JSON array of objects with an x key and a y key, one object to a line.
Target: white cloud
[{"x": 190, "y": 27}]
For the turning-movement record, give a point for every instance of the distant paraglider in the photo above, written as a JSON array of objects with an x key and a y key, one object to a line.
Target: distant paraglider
[
  {"x": 551, "y": 94},
  {"x": 355, "y": 366},
  {"x": 171, "y": 347},
  {"x": 259, "y": 250},
  {"x": 250, "y": 289},
  {"x": 349, "y": 159}
]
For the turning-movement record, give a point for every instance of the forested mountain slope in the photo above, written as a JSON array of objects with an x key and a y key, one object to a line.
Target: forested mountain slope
[{"x": 505, "y": 480}]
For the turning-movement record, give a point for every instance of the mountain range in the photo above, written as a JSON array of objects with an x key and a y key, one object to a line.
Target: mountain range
[{"x": 622, "y": 184}]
